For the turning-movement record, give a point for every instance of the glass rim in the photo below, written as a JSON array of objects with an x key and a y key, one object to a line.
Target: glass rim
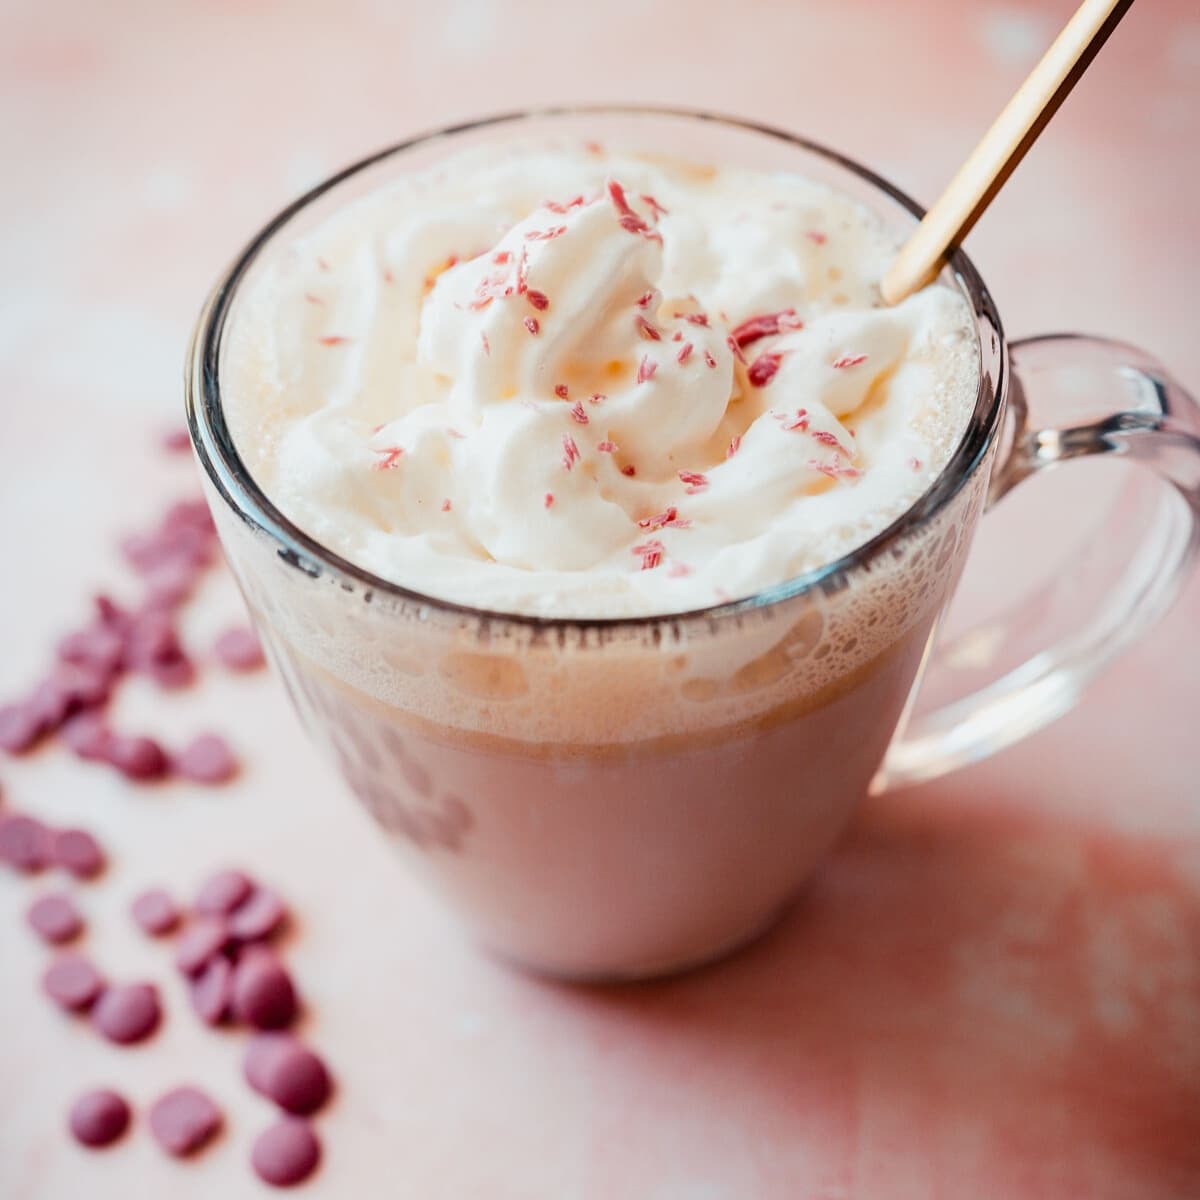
[{"x": 228, "y": 474}]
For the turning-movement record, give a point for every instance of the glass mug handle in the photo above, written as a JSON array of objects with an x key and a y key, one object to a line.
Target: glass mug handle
[{"x": 1152, "y": 422}]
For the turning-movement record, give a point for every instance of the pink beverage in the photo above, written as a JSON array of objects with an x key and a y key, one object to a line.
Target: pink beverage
[{"x": 597, "y": 515}]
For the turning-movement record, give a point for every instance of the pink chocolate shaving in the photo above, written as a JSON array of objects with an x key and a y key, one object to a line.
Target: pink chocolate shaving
[
  {"x": 766, "y": 325},
  {"x": 763, "y": 369},
  {"x": 651, "y": 553},
  {"x": 849, "y": 360},
  {"x": 390, "y": 458},
  {"x": 835, "y": 469},
  {"x": 577, "y": 413},
  {"x": 560, "y": 390},
  {"x": 626, "y": 217},
  {"x": 531, "y": 323},
  {"x": 607, "y": 447},
  {"x": 685, "y": 352},
  {"x": 829, "y": 439},
  {"x": 668, "y": 519},
  {"x": 646, "y": 330},
  {"x": 571, "y": 453},
  {"x": 735, "y": 444},
  {"x": 333, "y": 340},
  {"x": 646, "y": 369},
  {"x": 694, "y": 481}
]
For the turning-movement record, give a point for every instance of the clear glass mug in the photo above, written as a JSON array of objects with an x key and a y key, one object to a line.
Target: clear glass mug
[{"x": 604, "y": 799}]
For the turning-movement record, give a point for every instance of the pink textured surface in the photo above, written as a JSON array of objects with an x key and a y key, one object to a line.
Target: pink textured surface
[{"x": 993, "y": 989}]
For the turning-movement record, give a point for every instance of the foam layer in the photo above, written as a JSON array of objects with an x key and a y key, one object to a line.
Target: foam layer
[{"x": 581, "y": 384}]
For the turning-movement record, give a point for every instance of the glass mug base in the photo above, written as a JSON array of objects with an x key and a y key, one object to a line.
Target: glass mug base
[{"x": 621, "y": 798}]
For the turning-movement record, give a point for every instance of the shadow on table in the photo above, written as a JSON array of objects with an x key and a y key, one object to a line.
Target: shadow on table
[{"x": 1016, "y": 994}]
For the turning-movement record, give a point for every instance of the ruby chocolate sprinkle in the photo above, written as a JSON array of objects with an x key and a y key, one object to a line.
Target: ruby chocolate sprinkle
[
  {"x": 54, "y": 918},
  {"x": 286, "y": 1153},
  {"x": 78, "y": 852},
  {"x": 239, "y": 649},
  {"x": 222, "y": 892},
  {"x": 98, "y": 1118},
  {"x": 284, "y": 1070},
  {"x": 72, "y": 982},
  {"x": 202, "y": 940},
  {"x": 183, "y": 1120},
  {"x": 155, "y": 912},
  {"x": 25, "y": 843},
  {"x": 128, "y": 1013},
  {"x": 263, "y": 995}
]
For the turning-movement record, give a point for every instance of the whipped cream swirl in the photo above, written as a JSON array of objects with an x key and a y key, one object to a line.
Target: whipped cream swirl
[{"x": 649, "y": 389}]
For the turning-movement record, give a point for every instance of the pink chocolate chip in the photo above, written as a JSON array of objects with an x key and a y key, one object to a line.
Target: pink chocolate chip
[
  {"x": 258, "y": 917},
  {"x": 207, "y": 759},
  {"x": 183, "y": 1120},
  {"x": 239, "y": 649},
  {"x": 263, "y": 995},
  {"x": 200, "y": 942},
  {"x": 222, "y": 892},
  {"x": 155, "y": 912},
  {"x": 99, "y": 1117},
  {"x": 212, "y": 991},
  {"x": 282, "y": 1069},
  {"x": 87, "y": 735},
  {"x": 20, "y": 728},
  {"x": 78, "y": 852},
  {"x": 286, "y": 1153},
  {"x": 137, "y": 757},
  {"x": 25, "y": 843},
  {"x": 72, "y": 982},
  {"x": 178, "y": 441},
  {"x": 54, "y": 918},
  {"x": 127, "y": 1014},
  {"x": 97, "y": 646}
]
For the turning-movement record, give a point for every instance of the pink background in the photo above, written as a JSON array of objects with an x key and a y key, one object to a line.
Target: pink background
[{"x": 993, "y": 989}]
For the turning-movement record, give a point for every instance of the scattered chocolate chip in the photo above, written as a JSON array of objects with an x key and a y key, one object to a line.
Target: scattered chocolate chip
[
  {"x": 79, "y": 852},
  {"x": 99, "y": 1117},
  {"x": 128, "y": 1013},
  {"x": 222, "y": 892},
  {"x": 263, "y": 995},
  {"x": 200, "y": 942},
  {"x": 152, "y": 641},
  {"x": 88, "y": 735},
  {"x": 137, "y": 757},
  {"x": 207, "y": 759},
  {"x": 257, "y": 917},
  {"x": 212, "y": 991},
  {"x": 54, "y": 918},
  {"x": 155, "y": 912},
  {"x": 25, "y": 843},
  {"x": 178, "y": 673},
  {"x": 72, "y": 687},
  {"x": 178, "y": 441},
  {"x": 286, "y": 1153},
  {"x": 96, "y": 646},
  {"x": 170, "y": 583},
  {"x": 72, "y": 982},
  {"x": 282, "y": 1069},
  {"x": 183, "y": 1119},
  {"x": 239, "y": 649},
  {"x": 20, "y": 728}
]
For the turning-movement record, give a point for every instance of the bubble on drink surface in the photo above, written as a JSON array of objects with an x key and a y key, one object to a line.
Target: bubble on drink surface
[{"x": 488, "y": 676}]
